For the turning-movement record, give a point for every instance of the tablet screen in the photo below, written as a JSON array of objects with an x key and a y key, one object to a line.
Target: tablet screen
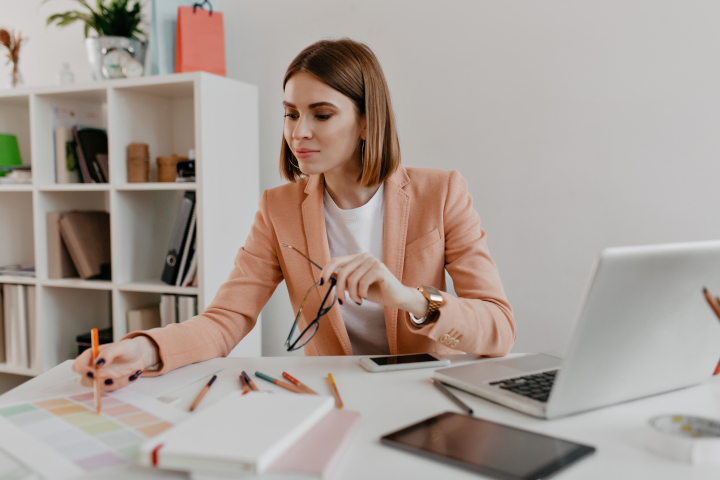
[
  {"x": 402, "y": 359},
  {"x": 489, "y": 448}
]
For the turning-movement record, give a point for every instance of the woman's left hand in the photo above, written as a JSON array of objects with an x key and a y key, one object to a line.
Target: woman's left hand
[{"x": 365, "y": 277}]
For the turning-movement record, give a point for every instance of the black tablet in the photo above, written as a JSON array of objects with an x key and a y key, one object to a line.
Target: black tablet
[{"x": 488, "y": 448}]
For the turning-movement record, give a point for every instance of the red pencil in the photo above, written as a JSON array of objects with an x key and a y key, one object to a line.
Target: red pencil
[
  {"x": 244, "y": 384},
  {"x": 298, "y": 383}
]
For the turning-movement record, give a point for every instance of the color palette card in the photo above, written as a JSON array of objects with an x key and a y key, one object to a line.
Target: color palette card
[{"x": 63, "y": 437}]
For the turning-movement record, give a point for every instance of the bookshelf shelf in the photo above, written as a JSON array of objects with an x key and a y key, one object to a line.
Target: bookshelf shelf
[
  {"x": 215, "y": 116},
  {"x": 76, "y": 187},
  {"x": 18, "y": 279},
  {"x": 129, "y": 187},
  {"x": 157, "y": 287},
  {"x": 77, "y": 283}
]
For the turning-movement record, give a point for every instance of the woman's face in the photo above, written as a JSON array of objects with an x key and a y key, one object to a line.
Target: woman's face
[{"x": 322, "y": 126}]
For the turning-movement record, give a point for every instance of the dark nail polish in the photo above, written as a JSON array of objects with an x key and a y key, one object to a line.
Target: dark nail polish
[
  {"x": 322, "y": 281},
  {"x": 90, "y": 374},
  {"x": 359, "y": 303},
  {"x": 108, "y": 381},
  {"x": 340, "y": 301},
  {"x": 135, "y": 375},
  {"x": 100, "y": 362}
]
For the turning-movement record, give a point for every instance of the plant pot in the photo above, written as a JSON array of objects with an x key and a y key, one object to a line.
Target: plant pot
[{"x": 109, "y": 55}]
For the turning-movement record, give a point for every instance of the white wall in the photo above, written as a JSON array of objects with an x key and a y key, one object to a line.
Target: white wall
[{"x": 578, "y": 125}]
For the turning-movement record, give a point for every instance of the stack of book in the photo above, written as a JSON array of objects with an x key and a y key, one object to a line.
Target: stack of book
[
  {"x": 79, "y": 245},
  {"x": 181, "y": 261},
  {"x": 81, "y": 155},
  {"x": 17, "y": 325}
]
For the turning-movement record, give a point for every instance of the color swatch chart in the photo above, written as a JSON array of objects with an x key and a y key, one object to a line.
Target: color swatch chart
[{"x": 70, "y": 426}]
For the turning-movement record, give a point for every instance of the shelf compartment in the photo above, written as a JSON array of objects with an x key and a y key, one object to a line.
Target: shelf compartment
[
  {"x": 129, "y": 187},
  {"x": 156, "y": 286},
  {"x": 126, "y": 301},
  {"x": 75, "y": 187},
  {"x": 67, "y": 313},
  {"x": 163, "y": 117},
  {"x": 15, "y": 119},
  {"x": 16, "y": 229}
]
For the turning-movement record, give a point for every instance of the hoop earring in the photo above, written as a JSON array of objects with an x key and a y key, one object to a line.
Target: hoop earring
[
  {"x": 291, "y": 162},
  {"x": 362, "y": 151}
]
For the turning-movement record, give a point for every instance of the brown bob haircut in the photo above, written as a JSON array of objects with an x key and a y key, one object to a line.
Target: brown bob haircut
[{"x": 351, "y": 68}]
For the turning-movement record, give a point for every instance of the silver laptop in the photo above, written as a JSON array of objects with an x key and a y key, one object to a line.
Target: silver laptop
[{"x": 644, "y": 328}]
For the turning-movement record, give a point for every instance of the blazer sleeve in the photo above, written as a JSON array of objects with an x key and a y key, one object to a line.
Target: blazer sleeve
[
  {"x": 234, "y": 310},
  {"x": 480, "y": 317}
]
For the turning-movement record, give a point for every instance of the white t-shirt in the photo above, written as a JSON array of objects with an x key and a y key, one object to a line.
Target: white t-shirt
[{"x": 350, "y": 232}]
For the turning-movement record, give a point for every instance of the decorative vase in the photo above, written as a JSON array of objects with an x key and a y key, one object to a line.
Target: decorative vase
[
  {"x": 16, "y": 78},
  {"x": 115, "y": 57}
]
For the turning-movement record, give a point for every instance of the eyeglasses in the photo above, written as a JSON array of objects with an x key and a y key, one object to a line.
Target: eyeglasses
[{"x": 297, "y": 339}]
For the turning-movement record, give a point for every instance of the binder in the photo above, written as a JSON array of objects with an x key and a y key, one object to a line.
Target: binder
[
  {"x": 168, "y": 310},
  {"x": 186, "y": 307},
  {"x": 16, "y": 337},
  {"x": 89, "y": 143},
  {"x": 189, "y": 240},
  {"x": 33, "y": 354},
  {"x": 177, "y": 242},
  {"x": 2, "y": 328}
]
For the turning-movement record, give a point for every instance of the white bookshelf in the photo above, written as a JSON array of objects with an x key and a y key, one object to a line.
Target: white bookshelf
[{"x": 216, "y": 116}]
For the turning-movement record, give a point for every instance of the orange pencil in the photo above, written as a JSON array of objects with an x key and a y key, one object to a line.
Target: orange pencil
[
  {"x": 298, "y": 383},
  {"x": 338, "y": 401},
  {"x": 715, "y": 305},
  {"x": 202, "y": 393},
  {"x": 286, "y": 386},
  {"x": 244, "y": 384},
  {"x": 249, "y": 381},
  {"x": 95, "y": 346}
]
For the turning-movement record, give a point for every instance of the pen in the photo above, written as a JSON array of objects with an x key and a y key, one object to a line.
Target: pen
[
  {"x": 714, "y": 304},
  {"x": 249, "y": 381},
  {"x": 451, "y": 396},
  {"x": 298, "y": 383},
  {"x": 202, "y": 393},
  {"x": 95, "y": 345},
  {"x": 338, "y": 400},
  {"x": 277, "y": 382},
  {"x": 244, "y": 384}
]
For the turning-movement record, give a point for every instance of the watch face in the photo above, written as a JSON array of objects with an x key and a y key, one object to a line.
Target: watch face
[
  {"x": 113, "y": 63},
  {"x": 132, "y": 69}
]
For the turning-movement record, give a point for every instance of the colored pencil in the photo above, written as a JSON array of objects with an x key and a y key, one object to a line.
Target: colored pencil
[
  {"x": 202, "y": 393},
  {"x": 95, "y": 345},
  {"x": 277, "y": 382},
  {"x": 298, "y": 383},
  {"x": 244, "y": 384},
  {"x": 333, "y": 387},
  {"x": 714, "y": 304},
  {"x": 451, "y": 396},
  {"x": 250, "y": 382}
]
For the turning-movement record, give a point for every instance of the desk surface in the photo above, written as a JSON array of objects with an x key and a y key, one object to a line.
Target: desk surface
[{"x": 391, "y": 400}]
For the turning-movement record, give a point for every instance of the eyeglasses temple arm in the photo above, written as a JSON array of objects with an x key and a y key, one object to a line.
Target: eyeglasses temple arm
[{"x": 301, "y": 253}]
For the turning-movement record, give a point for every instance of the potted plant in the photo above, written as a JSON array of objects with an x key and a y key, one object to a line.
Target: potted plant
[{"x": 118, "y": 50}]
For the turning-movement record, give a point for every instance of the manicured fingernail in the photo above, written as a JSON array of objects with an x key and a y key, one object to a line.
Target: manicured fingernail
[
  {"x": 339, "y": 301},
  {"x": 108, "y": 381},
  {"x": 90, "y": 374},
  {"x": 322, "y": 280},
  {"x": 101, "y": 361},
  {"x": 359, "y": 303},
  {"x": 135, "y": 375}
]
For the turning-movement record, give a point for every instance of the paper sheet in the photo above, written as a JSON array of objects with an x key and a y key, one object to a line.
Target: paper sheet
[{"x": 63, "y": 437}]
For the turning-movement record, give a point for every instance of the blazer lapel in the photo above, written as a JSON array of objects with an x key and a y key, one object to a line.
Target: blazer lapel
[
  {"x": 395, "y": 223},
  {"x": 313, "y": 213}
]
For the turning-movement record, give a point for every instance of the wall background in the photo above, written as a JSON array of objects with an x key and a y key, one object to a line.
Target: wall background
[{"x": 578, "y": 125}]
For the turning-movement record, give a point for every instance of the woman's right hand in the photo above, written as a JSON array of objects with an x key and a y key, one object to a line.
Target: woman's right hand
[{"x": 119, "y": 363}]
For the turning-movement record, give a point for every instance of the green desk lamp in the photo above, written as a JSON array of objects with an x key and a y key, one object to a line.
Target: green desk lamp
[{"x": 9, "y": 152}]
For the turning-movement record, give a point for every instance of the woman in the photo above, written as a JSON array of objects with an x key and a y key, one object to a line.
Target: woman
[{"x": 351, "y": 216}]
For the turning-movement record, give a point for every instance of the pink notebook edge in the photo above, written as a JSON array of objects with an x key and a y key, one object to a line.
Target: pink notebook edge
[{"x": 320, "y": 449}]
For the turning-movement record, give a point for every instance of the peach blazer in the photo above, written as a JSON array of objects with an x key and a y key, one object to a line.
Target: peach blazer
[{"x": 430, "y": 225}]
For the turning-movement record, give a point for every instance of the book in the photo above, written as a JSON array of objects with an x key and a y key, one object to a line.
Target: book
[
  {"x": 238, "y": 434},
  {"x": 186, "y": 307},
  {"x": 192, "y": 268},
  {"x": 18, "y": 270},
  {"x": 82, "y": 166},
  {"x": 168, "y": 310},
  {"x": 102, "y": 161},
  {"x": 189, "y": 240},
  {"x": 87, "y": 236},
  {"x": 60, "y": 263},
  {"x": 16, "y": 338},
  {"x": 177, "y": 241},
  {"x": 89, "y": 142},
  {"x": 33, "y": 356},
  {"x": 143, "y": 318},
  {"x": 319, "y": 451},
  {"x": 65, "y": 157}
]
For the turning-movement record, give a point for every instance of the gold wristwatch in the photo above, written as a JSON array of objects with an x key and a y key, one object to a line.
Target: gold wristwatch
[{"x": 435, "y": 301}]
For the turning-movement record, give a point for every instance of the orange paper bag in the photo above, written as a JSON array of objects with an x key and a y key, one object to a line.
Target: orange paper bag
[{"x": 200, "y": 41}]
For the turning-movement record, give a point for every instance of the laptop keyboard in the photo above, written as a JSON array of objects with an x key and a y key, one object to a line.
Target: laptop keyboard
[{"x": 535, "y": 386}]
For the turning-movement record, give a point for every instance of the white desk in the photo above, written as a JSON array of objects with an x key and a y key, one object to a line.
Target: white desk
[{"x": 391, "y": 400}]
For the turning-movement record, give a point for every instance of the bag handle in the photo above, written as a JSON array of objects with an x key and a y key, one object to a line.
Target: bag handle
[{"x": 200, "y": 5}]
